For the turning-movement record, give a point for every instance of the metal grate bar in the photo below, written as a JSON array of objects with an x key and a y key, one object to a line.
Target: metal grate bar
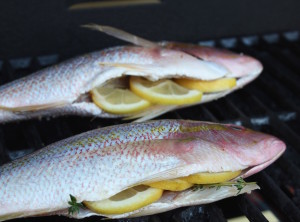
[
  {"x": 289, "y": 167},
  {"x": 32, "y": 136},
  {"x": 283, "y": 74},
  {"x": 294, "y": 46},
  {"x": 215, "y": 213},
  {"x": 278, "y": 70},
  {"x": 284, "y": 54},
  {"x": 7, "y": 73},
  {"x": 250, "y": 210},
  {"x": 286, "y": 132},
  {"x": 277, "y": 196},
  {"x": 3, "y": 154}
]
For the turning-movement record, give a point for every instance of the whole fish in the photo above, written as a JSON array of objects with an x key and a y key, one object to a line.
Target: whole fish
[
  {"x": 64, "y": 89},
  {"x": 98, "y": 164}
]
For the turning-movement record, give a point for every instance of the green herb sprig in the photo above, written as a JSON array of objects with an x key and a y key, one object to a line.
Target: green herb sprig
[
  {"x": 74, "y": 206},
  {"x": 239, "y": 184}
]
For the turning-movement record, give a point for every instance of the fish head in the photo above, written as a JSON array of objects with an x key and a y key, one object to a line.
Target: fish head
[
  {"x": 238, "y": 64},
  {"x": 252, "y": 150},
  {"x": 256, "y": 149}
]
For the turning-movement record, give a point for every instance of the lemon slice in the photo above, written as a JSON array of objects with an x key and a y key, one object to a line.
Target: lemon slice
[
  {"x": 118, "y": 101},
  {"x": 165, "y": 92},
  {"x": 207, "y": 86},
  {"x": 209, "y": 178},
  {"x": 173, "y": 185},
  {"x": 126, "y": 201}
]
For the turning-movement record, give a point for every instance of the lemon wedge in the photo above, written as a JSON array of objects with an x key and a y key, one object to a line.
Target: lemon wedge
[
  {"x": 209, "y": 178},
  {"x": 173, "y": 185},
  {"x": 164, "y": 92},
  {"x": 118, "y": 101},
  {"x": 207, "y": 86},
  {"x": 126, "y": 201}
]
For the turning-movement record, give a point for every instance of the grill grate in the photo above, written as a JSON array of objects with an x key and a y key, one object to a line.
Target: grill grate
[{"x": 270, "y": 104}]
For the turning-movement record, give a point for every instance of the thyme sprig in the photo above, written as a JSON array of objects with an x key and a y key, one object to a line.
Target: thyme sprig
[
  {"x": 239, "y": 184},
  {"x": 74, "y": 206}
]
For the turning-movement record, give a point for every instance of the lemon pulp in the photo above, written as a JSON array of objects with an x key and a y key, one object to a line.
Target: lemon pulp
[
  {"x": 130, "y": 95},
  {"x": 118, "y": 101},
  {"x": 164, "y": 92}
]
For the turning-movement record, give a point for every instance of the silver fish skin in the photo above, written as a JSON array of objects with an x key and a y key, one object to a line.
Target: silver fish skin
[{"x": 98, "y": 164}]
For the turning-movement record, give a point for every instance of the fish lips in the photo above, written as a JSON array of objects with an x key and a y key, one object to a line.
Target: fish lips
[{"x": 271, "y": 149}]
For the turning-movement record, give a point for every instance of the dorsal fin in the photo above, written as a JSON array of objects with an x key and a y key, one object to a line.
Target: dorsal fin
[{"x": 120, "y": 34}]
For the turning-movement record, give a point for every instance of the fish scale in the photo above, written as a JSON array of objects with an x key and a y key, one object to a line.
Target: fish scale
[{"x": 100, "y": 163}]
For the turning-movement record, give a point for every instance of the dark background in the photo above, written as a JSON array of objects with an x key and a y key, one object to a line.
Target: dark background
[{"x": 41, "y": 27}]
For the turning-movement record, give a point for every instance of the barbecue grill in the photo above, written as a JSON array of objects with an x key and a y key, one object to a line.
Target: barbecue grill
[{"x": 270, "y": 104}]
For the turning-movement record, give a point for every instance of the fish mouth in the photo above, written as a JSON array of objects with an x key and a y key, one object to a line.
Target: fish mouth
[
  {"x": 279, "y": 148},
  {"x": 243, "y": 80}
]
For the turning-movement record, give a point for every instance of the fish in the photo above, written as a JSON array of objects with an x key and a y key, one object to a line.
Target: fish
[
  {"x": 63, "y": 89},
  {"x": 98, "y": 164}
]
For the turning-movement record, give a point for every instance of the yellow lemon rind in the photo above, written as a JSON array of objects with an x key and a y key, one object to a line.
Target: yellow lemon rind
[
  {"x": 207, "y": 86},
  {"x": 135, "y": 202},
  {"x": 122, "y": 108},
  {"x": 172, "y": 185},
  {"x": 211, "y": 178}
]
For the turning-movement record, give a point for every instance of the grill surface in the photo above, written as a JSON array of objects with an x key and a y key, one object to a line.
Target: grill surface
[{"x": 270, "y": 104}]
